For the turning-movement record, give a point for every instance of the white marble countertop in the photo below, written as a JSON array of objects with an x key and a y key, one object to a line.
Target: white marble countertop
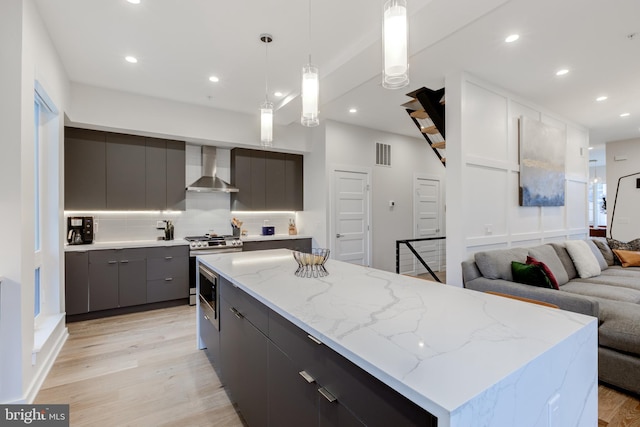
[
  {"x": 440, "y": 346},
  {"x": 125, "y": 244},
  {"x": 259, "y": 237}
]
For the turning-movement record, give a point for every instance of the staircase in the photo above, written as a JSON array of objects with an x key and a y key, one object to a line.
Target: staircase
[{"x": 426, "y": 109}]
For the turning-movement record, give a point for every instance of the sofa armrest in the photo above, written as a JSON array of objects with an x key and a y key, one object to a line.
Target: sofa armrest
[{"x": 564, "y": 300}]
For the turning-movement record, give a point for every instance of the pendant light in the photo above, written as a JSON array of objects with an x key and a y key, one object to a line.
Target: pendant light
[
  {"x": 266, "y": 108},
  {"x": 310, "y": 88},
  {"x": 395, "y": 73}
]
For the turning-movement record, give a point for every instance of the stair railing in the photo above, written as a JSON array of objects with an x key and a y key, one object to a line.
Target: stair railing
[{"x": 408, "y": 242}]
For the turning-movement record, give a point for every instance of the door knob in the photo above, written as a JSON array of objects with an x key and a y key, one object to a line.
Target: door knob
[{"x": 338, "y": 236}]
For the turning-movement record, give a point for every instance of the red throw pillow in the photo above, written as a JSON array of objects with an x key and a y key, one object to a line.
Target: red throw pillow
[{"x": 547, "y": 270}]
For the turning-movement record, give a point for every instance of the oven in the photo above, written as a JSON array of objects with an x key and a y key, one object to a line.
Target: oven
[
  {"x": 207, "y": 245},
  {"x": 209, "y": 295}
]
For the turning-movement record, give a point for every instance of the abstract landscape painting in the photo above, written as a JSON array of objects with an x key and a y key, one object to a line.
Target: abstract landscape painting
[{"x": 542, "y": 164}]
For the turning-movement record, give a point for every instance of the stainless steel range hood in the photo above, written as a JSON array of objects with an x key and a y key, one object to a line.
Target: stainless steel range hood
[{"x": 209, "y": 182}]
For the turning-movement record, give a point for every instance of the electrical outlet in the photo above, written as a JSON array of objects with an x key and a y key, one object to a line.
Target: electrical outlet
[
  {"x": 488, "y": 229},
  {"x": 553, "y": 406}
]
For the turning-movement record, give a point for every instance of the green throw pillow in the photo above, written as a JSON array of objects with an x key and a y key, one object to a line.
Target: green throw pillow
[{"x": 530, "y": 274}]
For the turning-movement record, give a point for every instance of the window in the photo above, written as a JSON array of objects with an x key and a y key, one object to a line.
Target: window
[{"x": 37, "y": 226}]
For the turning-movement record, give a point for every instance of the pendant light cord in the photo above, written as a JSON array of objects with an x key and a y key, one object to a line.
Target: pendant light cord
[
  {"x": 309, "y": 31},
  {"x": 266, "y": 72}
]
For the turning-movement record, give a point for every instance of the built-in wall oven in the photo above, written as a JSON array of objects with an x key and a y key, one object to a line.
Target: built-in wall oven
[
  {"x": 209, "y": 295},
  {"x": 205, "y": 245}
]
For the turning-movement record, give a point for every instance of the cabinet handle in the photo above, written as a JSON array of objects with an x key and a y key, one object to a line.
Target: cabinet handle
[
  {"x": 330, "y": 397},
  {"x": 168, "y": 257},
  {"x": 236, "y": 312},
  {"x": 112, "y": 262},
  {"x": 168, "y": 279},
  {"x": 308, "y": 378},
  {"x": 314, "y": 339},
  {"x": 125, "y": 261}
]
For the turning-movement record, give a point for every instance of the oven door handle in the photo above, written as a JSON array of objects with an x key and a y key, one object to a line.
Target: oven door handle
[{"x": 210, "y": 275}]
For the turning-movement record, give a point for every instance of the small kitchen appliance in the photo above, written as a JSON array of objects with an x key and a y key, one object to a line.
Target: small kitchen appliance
[
  {"x": 79, "y": 230},
  {"x": 268, "y": 230}
]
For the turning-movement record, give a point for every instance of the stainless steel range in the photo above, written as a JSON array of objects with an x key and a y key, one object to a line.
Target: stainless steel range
[{"x": 205, "y": 245}]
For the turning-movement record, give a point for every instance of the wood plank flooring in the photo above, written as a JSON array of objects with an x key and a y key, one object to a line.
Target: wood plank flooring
[{"x": 144, "y": 369}]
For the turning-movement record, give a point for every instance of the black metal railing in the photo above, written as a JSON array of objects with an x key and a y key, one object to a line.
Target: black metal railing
[{"x": 416, "y": 254}]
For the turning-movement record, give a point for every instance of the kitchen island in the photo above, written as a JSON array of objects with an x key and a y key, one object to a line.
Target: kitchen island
[{"x": 465, "y": 357}]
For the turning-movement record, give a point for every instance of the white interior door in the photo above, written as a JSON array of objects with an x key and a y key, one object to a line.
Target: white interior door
[
  {"x": 427, "y": 214},
  {"x": 351, "y": 217}
]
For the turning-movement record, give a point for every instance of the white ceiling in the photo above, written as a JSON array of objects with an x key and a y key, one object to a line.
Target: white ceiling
[{"x": 179, "y": 44}]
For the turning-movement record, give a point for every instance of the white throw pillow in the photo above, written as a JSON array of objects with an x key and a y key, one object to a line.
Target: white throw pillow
[{"x": 585, "y": 261}]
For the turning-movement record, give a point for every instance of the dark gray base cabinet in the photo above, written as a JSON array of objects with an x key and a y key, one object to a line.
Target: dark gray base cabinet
[
  {"x": 280, "y": 376},
  {"x": 302, "y": 245},
  {"x": 98, "y": 280}
]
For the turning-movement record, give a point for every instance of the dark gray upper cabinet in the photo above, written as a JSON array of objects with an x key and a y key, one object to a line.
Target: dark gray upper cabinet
[
  {"x": 84, "y": 169},
  {"x": 175, "y": 175},
  {"x": 105, "y": 170},
  {"x": 266, "y": 180},
  {"x": 156, "y": 173},
  {"x": 126, "y": 184}
]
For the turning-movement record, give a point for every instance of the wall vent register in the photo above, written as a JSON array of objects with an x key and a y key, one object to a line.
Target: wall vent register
[{"x": 383, "y": 154}]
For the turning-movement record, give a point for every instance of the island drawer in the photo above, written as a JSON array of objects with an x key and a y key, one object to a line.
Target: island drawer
[{"x": 244, "y": 305}]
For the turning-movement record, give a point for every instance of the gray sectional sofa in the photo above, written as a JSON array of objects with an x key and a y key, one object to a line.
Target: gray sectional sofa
[{"x": 613, "y": 296}]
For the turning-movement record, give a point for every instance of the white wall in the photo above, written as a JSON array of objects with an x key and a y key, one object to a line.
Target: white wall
[
  {"x": 348, "y": 145},
  {"x": 626, "y": 225},
  {"x": 482, "y": 175},
  {"x": 27, "y": 56}
]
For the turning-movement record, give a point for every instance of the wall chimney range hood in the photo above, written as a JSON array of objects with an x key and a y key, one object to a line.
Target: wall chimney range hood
[{"x": 209, "y": 182}]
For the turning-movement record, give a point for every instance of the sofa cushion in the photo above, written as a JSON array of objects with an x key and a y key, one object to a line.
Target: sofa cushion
[
  {"x": 583, "y": 258},
  {"x": 530, "y": 274},
  {"x": 605, "y": 250},
  {"x": 567, "y": 263},
  {"x": 633, "y": 245},
  {"x": 596, "y": 253},
  {"x": 496, "y": 264},
  {"x": 602, "y": 291},
  {"x": 547, "y": 271},
  {"x": 620, "y": 328},
  {"x": 547, "y": 255},
  {"x": 628, "y": 258}
]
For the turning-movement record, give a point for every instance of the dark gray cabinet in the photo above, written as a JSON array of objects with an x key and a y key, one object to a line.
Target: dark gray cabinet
[
  {"x": 105, "y": 170},
  {"x": 76, "y": 279},
  {"x": 210, "y": 336},
  {"x": 117, "y": 278},
  {"x": 167, "y": 273},
  {"x": 302, "y": 245},
  {"x": 126, "y": 184},
  {"x": 266, "y": 180},
  {"x": 84, "y": 169},
  {"x": 279, "y": 375},
  {"x": 244, "y": 352}
]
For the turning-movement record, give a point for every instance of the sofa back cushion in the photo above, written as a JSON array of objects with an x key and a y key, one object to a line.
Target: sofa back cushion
[
  {"x": 547, "y": 255},
  {"x": 496, "y": 264},
  {"x": 567, "y": 263}
]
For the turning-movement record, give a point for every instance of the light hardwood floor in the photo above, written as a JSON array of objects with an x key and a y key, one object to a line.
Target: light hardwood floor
[{"x": 143, "y": 369}]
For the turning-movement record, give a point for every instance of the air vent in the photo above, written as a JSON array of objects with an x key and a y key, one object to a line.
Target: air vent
[{"x": 383, "y": 154}]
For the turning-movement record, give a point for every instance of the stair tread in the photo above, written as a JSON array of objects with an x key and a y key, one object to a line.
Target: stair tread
[
  {"x": 431, "y": 130},
  {"x": 439, "y": 145},
  {"x": 413, "y": 105},
  {"x": 419, "y": 114}
]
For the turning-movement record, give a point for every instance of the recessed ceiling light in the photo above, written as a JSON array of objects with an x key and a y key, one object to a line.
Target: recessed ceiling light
[
  {"x": 353, "y": 110},
  {"x": 278, "y": 94},
  {"x": 601, "y": 98},
  {"x": 562, "y": 72},
  {"x": 625, "y": 114},
  {"x": 590, "y": 148},
  {"x": 134, "y": 1},
  {"x": 512, "y": 38},
  {"x": 214, "y": 79},
  {"x": 131, "y": 59}
]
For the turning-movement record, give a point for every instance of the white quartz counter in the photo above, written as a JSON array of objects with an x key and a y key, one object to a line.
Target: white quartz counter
[
  {"x": 125, "y": 244},
  {"x": 467, "y": 357},
  {"x": 260, "y": 238}
]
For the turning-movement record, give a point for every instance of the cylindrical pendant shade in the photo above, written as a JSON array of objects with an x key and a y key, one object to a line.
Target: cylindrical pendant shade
[
  {"x": 395, "y": 47},
  {"x": 310, "y": 89},
  {"x": 266, "y": 124}
]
